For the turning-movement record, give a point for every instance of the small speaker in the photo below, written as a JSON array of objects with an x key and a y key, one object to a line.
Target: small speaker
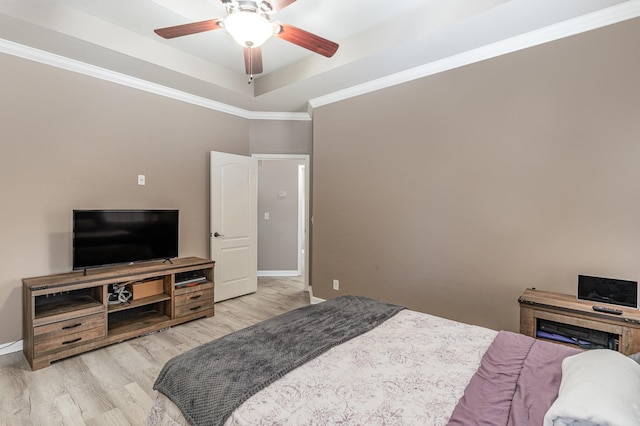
[{"x": 608, "y": 290}]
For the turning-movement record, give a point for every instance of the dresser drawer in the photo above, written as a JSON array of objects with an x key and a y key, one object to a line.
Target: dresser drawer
[
  {"x": 200, "y": 287},
  {"x": 196, "y": 299},
  {"x": 67, "y": 327},
  {"x": 66, "y": 334},
  {"x": 204, "y": 306},
  {"x": 194, "y": 296}
]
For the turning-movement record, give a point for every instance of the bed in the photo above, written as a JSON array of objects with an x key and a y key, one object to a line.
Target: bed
[{"x": 357, "y": 361}]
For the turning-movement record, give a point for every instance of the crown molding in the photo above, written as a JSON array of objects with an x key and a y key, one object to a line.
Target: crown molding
[
  {"x": 590, "y": 21},
  {"x": 58, "y": 61},
  {"x": 285, "y": 116}
]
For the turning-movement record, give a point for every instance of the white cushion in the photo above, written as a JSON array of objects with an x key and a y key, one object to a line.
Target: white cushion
[{"x": 598, "y": 387}]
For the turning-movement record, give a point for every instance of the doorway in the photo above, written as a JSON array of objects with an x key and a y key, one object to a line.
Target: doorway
[{"x": 283, "y": 215}]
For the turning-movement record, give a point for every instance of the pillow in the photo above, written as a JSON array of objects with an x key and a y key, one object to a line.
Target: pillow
[
  {"x": 598, "y": 387},
  {"x": 635, "y": 357}
]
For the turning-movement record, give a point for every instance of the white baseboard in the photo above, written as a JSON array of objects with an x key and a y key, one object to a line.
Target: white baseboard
[
  {"x": 315, "y": 300},
  {"x": 10, "y": 347},
  {"x": 312, "y": 299},
  {"x": 279, "y": 273}
]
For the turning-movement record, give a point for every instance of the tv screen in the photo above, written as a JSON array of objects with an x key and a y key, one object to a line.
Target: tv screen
[{"x": 111, "y": 237}]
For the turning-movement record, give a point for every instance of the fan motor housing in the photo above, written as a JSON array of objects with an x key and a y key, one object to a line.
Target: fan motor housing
[{"x": 262, "y": 7}]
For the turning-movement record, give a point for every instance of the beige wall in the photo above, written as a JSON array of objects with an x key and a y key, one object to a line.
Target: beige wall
[
  {"x": 453, "y": 193},
  {"x": 69, "y": 141},
  {"x": 280, "y": 137}
]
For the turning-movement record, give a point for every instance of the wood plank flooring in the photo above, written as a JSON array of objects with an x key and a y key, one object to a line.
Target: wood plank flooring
[{"x": 114, "y": 385}]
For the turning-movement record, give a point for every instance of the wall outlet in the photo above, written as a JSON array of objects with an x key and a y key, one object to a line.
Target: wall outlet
[
  {"x": 336, "y": 285},
  {"x": 141, "y": 179}
]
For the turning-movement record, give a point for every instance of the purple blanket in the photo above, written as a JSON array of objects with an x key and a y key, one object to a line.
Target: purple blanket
[{"x": 516, "y": 383}]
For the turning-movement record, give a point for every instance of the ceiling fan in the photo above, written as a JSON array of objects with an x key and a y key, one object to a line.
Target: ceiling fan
[{"x": 248, "y": 22}]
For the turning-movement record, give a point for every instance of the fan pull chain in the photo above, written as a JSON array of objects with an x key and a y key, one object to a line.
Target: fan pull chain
[{"x": 250, "y": 64}]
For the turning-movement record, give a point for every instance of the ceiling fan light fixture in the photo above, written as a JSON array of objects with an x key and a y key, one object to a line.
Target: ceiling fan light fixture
[{"x": 249, "y": 29}]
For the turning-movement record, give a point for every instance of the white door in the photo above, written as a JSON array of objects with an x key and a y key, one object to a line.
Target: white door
[{"x": 234, "y": 216}]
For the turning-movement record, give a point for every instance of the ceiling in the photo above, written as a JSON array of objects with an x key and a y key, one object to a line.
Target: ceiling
[{"x": 381, "y": 43}]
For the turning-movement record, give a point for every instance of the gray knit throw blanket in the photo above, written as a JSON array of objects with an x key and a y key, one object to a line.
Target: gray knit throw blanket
[{"x": 208, "y": 382}]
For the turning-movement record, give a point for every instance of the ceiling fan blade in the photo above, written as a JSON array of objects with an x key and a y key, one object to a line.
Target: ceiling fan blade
[
  {"x": 253, "y": 60},
  {"x": 187, "y": 29},
  {"x": 277, "y": 5},
  {"x": 307, "y": 40}
]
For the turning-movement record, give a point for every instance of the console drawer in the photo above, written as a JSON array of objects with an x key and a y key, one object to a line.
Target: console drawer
[
  {"x": 190, "y": 289},
  {"x": 67, "y": 327},
  {"x": 192, "y": 308},
  {"x": 193, "y": 297},
  {"x": 68, "y": 333}
]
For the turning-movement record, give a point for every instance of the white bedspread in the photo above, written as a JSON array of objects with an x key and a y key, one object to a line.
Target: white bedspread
[{"x": 411, "y": 370}]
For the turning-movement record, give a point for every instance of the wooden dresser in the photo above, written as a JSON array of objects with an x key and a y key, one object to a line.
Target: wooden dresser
[{"x": 538, "y": 307}]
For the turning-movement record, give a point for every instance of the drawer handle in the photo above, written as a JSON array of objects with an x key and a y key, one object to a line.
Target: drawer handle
[
  {"x": 196, "y": 297},
  {"x": 71, "y": 326},
  {"x": 68, "y": 342},
  {"x": 195, "y": 308}
]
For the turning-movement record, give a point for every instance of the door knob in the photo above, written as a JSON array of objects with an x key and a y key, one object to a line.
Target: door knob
[{"x": 216, "y": 234}]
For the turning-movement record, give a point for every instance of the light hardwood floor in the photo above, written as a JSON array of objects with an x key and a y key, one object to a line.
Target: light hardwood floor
[{"x": 114, "y": 385}]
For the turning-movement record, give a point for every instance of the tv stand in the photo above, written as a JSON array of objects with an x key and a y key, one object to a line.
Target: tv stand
[
  {"x": 167, "y": 260},
  {"x": 68, "y": 314},
  {"x": 576, "y": 319}
]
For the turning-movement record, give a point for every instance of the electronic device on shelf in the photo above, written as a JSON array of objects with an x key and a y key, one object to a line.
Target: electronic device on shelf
[
  {"x": 608, "y": 290},
  {"x": 114, "y": 237},
  {"x": 607, "y": 310},
  {"x": 191, "y": 278},
  {"x": 584, "y": 337}
]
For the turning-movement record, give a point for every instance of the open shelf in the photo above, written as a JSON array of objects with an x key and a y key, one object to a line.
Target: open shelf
[
  {"x": 59, "y": 306},
  {"x": 192, "y": 278},
  {"x": 576, "y": 336},
  {"x": 131, "y": 325},
  {"x": 140, "y": 302}
]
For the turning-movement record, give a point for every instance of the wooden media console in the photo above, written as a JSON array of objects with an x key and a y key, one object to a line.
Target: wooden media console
[{"x": 68, "y": 314}]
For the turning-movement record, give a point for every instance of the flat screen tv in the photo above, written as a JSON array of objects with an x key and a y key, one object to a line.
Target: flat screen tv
[{"x": 113, "y": 237}]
